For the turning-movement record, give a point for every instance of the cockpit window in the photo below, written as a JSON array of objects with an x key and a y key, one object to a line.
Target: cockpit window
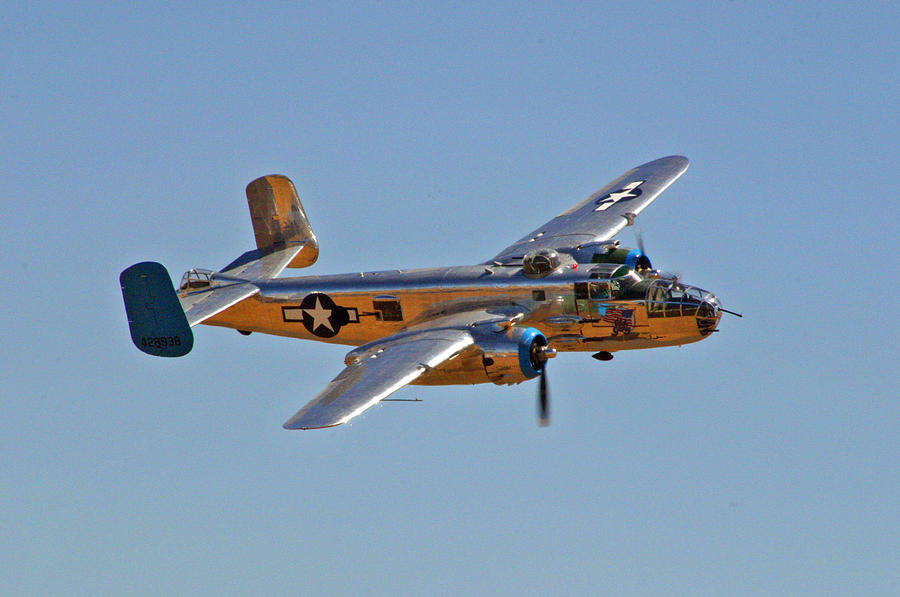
[
  {"x": 673, "y": 301},
  {"x": 626, "y": 277},
  {"x": 598, "y": 290},
  {"x": 656, "y": 299},
  {"x": 606, "y": 271},
  {"x": 195, "y": 278},
  {"x": 616, "y": 278},
  {"x": 603, "y": 290}
]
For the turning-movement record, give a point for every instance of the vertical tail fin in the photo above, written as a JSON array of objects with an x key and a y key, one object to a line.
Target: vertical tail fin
[
  {"x": 279, "y": 220},
  {"x": 157, "y": 321},
  {"x": 284, "y": 237}
]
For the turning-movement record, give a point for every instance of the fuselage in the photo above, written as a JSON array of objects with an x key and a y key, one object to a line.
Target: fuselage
[{"x": 578, "y": 307}]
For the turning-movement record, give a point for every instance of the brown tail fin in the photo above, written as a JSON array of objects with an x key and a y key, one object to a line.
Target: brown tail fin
[{"x": 279, "y": 221}]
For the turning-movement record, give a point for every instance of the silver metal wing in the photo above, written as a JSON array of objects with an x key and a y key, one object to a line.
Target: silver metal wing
[
  {"x": 379, "y": 369},
  {"x": 602, "y": 215}
]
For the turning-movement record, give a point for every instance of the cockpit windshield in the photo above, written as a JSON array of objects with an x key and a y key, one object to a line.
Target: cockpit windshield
[{"x": 613, "y": 280}]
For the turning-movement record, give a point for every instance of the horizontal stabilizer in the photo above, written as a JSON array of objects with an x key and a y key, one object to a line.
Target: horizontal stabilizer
[
  {"x": 259, "y": 265},
  {"x": 155, "y": 317},
  {"x": 200, "y": 306},
  {"x": 279, "y": 220}
]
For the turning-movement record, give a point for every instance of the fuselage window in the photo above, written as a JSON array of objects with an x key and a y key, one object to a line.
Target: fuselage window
[
  {"x": 387, "y": 308},
  {"x": 599, "y": 290},
  {"x": 581, "y": 290}
]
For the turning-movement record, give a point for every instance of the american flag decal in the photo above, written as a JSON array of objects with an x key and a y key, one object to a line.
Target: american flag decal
[{"x": 621, "y": 319}]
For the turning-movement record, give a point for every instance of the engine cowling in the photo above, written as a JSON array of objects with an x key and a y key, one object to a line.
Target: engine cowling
[
  {"x": 633, "y": 258},
  {"x": 512, "y": 357}
]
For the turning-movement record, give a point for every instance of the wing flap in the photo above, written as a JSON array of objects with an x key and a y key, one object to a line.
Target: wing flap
[
  {"x": 377, "y": 372},
  {"x": 602, "y": 215}
]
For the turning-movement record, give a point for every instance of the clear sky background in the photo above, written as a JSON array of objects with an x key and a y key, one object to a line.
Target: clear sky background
[{"x": 762, "y": 461}]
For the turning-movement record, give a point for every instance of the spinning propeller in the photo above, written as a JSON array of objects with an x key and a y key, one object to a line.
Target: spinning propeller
[
  {"x": 639, "y": 238},
  {"x": 540, "y": 354}
]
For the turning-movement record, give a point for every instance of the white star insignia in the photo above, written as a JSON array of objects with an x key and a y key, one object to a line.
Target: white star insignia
[
  {"x": 623, "y": 193},
  {"x": 320, "y": 316}
]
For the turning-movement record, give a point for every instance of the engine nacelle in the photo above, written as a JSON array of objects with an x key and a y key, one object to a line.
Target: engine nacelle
[
  {"x": 500, "y": 356},
  {"x": 633, "y": 258},
  {"x": 511, "y": 357}
]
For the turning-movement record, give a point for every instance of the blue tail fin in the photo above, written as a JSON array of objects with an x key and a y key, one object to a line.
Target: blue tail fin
[{"x": 155, "y": 316}]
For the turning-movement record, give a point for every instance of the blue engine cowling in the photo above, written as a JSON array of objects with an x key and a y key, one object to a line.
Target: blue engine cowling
[
  {"x": 530, "y": 339},
  {"x": 511, "y": 357}
]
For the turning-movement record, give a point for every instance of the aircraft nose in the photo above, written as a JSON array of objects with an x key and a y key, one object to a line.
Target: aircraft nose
[{"x": 708, "y": 315}]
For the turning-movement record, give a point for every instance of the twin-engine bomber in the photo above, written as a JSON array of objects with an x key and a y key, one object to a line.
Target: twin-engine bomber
[{"x": 565, "y": 287}]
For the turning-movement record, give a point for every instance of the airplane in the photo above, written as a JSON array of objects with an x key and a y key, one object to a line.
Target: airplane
[{"x": 567, "y": 286}]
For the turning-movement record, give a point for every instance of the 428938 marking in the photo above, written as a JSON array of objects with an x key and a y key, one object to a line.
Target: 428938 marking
[{"x": 160, "y": 341}]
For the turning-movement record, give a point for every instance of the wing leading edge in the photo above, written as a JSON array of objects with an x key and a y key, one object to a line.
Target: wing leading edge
[
  {"x": 602, "y": 215},
  {"x": 380, "y": 369}
]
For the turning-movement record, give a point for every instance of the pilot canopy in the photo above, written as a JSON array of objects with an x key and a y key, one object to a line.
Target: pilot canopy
[{"x": 607, "y": 281}]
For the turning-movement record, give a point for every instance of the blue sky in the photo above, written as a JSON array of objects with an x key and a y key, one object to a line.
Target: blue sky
[{"x": 762, "y": 461}]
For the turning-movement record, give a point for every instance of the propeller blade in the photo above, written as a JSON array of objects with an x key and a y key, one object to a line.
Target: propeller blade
[
  {"x": 543, "y": 399},
  {"x": 639, "y": 237}
]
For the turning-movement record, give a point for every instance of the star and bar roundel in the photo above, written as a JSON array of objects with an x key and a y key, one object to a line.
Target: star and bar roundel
[
  {"x": 627, "y": 193},
  {"x": 320, "y": 315}
]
